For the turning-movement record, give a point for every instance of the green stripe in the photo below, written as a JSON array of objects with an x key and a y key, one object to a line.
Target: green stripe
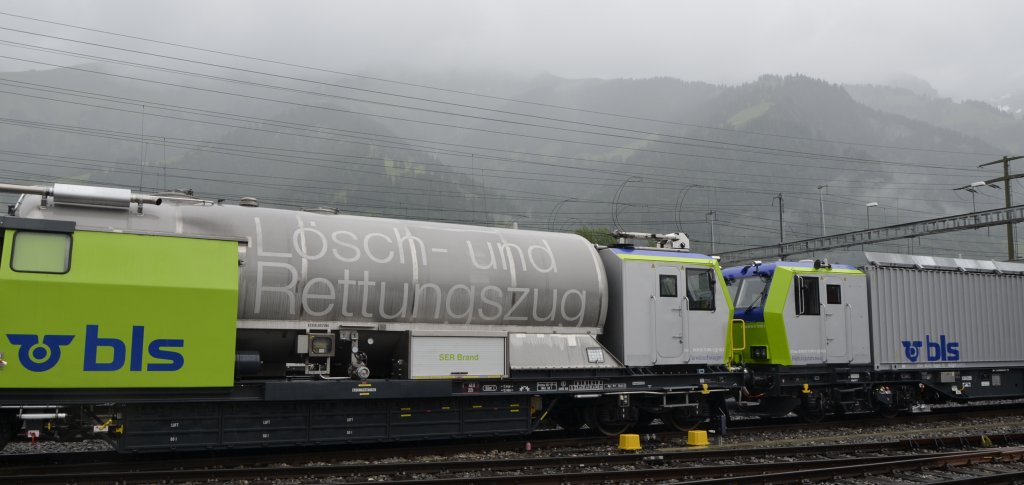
[{"x": 666, "y": 259}]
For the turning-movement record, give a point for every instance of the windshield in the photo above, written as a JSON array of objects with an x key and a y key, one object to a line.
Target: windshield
[{"x": 749, "y": 292}]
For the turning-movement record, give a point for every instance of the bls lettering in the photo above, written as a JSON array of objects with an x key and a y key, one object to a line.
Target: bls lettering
[
  {"x": 41, "y": 357},
  {"x": 942, "y": 350}
]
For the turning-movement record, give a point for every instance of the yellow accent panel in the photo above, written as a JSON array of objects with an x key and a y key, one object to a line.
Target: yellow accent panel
[
  {"x": 822, "y": 271},
  {"x": 667, "y": 259},
  {"x": 133, "y": 311}
]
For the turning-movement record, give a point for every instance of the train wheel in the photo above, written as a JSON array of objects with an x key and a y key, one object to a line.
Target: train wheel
[
  {"x": 608, "y": 418},
  {"x": 813, "y": 408},
  {"x": 886, "y": 399},
  {"x": 887, "y": 412}
]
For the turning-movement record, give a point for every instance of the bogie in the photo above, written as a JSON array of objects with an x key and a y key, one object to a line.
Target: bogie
[{"x": 609, "y": 416}]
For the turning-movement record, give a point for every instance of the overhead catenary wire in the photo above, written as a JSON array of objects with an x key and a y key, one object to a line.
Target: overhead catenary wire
[
  {"x": 297, "y": 204},
  {"x": 320, "y": 129},
  {"x": 481, "y": 169},
  {"x": 128, "y": 136},
  {"x": 250, "y": 128},
  {"x": 727, "y": 145},
  {"x": 461, "y": 92}
]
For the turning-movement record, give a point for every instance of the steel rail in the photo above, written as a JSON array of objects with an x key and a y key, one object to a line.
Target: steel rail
[{"x": 661, "y": 465}]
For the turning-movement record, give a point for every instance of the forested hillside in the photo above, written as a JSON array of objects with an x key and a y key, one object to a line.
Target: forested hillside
[{"x": 658, "y": 155}]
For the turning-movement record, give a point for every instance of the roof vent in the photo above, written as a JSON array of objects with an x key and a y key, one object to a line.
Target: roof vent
[{"x": 249, "y": 202}]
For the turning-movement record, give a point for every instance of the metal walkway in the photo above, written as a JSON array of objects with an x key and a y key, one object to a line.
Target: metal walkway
[{"x": 971, "y": 220}]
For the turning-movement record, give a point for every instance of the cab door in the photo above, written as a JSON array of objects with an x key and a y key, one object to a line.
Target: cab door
[
  {"x": 836, "y": 320},
  {"x": 705, "y": 327},
  {"x": 669, "y": 314}
]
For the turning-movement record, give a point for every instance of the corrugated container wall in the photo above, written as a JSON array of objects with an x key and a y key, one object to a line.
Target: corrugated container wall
[{"x": 929, "y": 318}]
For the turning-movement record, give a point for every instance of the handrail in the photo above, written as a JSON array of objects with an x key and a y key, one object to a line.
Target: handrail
[{"x": 743, "y": 328}]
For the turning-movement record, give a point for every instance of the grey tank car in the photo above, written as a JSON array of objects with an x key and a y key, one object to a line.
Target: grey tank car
[{"x": 333, "y": 267}]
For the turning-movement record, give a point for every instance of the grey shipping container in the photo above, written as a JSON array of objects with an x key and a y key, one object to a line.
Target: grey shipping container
[{"x": 944, "y": 312}]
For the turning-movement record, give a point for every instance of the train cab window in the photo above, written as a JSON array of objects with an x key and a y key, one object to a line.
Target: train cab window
[
  {"x": 668, "y": 286},
  {"x": 808, "y": 297},
  {"x": 750, "y": 292},
  {"x": 41, "y": 252},
  {"x": 700, "y": 289},
  {"x": 834, "y": 294}
]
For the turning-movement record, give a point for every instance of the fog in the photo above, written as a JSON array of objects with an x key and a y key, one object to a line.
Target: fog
[
  {"x": 800, "y": 96},
  {"x": 964, "y": 49}
]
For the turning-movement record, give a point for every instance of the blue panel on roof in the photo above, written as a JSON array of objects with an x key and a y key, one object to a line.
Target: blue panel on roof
[{"x": 768, "y": 269}]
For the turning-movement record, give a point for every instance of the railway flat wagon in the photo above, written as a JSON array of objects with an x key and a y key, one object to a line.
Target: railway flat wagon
[
  {"x": 953, "y": 323},
  {"x": 170, "y": 322},
  {"x": 903, "y": 332}
]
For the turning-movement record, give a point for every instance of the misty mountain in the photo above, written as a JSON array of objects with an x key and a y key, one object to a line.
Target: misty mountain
[
  {"x": 78, "y": 127},
  {"x": 652, "y": 155},
  {"x": 1012, "y": 104},
  {"x": 985, "y": 121},
  {"x": 775, "y": 132},
  {"x": 913, "y": 84}
]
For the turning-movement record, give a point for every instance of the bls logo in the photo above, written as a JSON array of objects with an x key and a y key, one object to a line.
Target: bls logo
[
  {"x": 38, "y": 357},
  {"x": 941, "y": 350}
]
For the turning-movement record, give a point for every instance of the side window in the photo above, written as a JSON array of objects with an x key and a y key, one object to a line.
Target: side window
[
  {"x": 808, "y": 298},
  {"x": 667, "y": 285},
  {"x": 700, "y": 289},
  {"x": 41, "y": 252},
  {"x": 834, "y": 294}
]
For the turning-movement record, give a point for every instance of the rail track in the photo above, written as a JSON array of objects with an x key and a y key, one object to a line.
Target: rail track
[
  {"x": 427, "y": 463},
  {"x": 545, "y": 438},
  {"x": 776, "y": 465}
]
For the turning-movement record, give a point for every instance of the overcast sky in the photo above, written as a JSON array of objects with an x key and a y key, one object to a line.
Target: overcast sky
[{"x": 963, "y": 48}]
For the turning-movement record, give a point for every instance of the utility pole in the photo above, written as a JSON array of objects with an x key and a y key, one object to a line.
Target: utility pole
[
  {"x": 782, "y": 234},
  {"x": 711, "y": 218},
  {"x": 1010, "y": 249},
  {"x": 821, "y": 203}
]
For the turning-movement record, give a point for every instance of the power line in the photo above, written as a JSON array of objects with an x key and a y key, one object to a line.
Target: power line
[
  {"x": 741, "y": 147},
  {"x": 422, "y": 86},
  {"x": 321, "y": 128},
  {"x": 709, "y": 147},
  {"x": 202, "y": 146}
]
